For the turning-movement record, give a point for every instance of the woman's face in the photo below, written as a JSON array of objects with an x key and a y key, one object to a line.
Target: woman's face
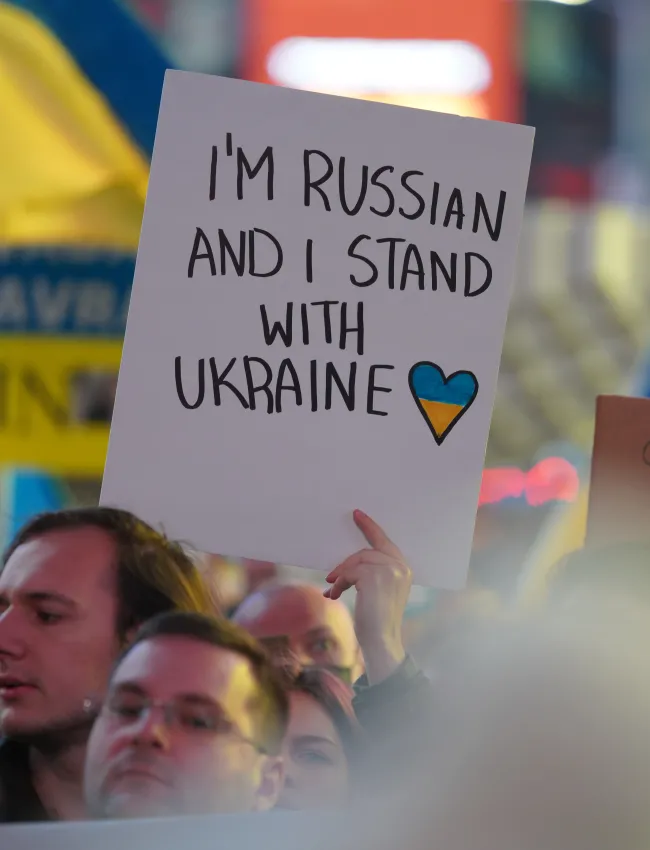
[{"x": 315, "y": 763}]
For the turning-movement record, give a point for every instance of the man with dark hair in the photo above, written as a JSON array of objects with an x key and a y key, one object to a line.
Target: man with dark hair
[
  {"x": 192, "y": 723},
  {"x": 74, "y": 587}
]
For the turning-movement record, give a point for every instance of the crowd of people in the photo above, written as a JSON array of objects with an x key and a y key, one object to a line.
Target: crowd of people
[{"x": 126, "y": 693}]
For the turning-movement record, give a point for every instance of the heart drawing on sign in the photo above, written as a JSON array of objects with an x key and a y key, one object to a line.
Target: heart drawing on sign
[{"x": 441, "y": 401}]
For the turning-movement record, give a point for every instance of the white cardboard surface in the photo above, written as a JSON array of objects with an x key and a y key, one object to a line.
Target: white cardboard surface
[
  {"x": 273, "y": 830},
  {"x": 281, "y": 486}
]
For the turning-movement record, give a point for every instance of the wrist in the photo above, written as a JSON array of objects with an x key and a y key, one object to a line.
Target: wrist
[{"x": 381, "y": 661}]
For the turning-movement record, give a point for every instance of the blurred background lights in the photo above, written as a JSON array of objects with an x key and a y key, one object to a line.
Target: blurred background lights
[
  {"x": 380, "y": 66},
  {"x": 568, "y": 2}
]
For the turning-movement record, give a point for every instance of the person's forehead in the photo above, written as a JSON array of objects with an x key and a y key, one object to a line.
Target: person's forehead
[
  {"x": 73, "y": 562},
  {"x": 296, "y": 611},
  {"x": 167, "y": 667},
  {"x": 309, "y": 719}
]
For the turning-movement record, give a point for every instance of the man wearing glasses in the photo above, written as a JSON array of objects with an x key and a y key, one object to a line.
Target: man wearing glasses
[{"x": 192, "y": 724}]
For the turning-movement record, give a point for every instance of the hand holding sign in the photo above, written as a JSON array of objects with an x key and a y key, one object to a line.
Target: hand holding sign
[
  {"x": 301, "y": 253},
  {"x": 382, "y": 579}
]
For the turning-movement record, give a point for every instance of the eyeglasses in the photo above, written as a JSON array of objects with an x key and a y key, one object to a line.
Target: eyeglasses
[
  {"x": 192, "y": 717},
  {"x": 279, "y": 650}
]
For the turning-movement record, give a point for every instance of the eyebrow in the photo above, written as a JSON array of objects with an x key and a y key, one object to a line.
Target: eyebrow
[
  {"x": 137, "y": 690},
  {"x": 43, "y": 596},
  {"x": 274, "y": 640},
  {"x": 129, "y": 688},
  {"x": 199, "y": 699},
  {"x": 318, "y": 631},
  {"x": 314, "y": 739},
  {"x": 321, "y": 631},
  {"x": 50, "y": 596}
]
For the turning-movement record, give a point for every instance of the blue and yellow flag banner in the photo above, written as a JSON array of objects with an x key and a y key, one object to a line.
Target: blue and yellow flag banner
[
  {"x": 113, "y": 52},
  {"x": 62, "y": 321},
  {"x": 23, "y": 494},
  {"x": 80, "y": 86},
  {"x": 78, "y": 293}
]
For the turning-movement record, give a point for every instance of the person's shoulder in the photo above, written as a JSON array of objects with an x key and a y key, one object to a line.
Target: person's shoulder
[
  {"x": 6, "y": 769},
  {"x": 17, "y": 795},
  {"x": 12, "y": 753}
]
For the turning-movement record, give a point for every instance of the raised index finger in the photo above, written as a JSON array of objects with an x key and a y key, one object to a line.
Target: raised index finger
[{"x": 375, "y": 535}]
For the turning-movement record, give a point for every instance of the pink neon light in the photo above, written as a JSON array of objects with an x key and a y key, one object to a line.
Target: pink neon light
[{"x": 553, "y": 479}]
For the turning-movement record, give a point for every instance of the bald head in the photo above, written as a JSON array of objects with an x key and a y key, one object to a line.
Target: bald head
[{"x": 296, "y": 620}]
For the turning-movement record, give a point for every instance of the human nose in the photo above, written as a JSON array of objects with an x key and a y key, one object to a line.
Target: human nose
[
  {"x": 289, "y": 778},
  {"x": 304, "y": 656},
  {"x": 298, "y": 658},
  {"x": 11, "y": 637},
  {"x": 292, "y": 652},
  {"x": 152, "y": 729}
]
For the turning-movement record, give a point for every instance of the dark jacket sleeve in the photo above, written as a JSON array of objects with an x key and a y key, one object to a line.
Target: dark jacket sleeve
[{"x": 394, "y": 715}]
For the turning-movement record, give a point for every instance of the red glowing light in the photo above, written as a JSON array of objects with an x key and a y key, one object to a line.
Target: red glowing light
[{"x": 553, "y": 479}]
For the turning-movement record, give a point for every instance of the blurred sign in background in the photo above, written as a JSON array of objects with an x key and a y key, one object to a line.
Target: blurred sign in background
[
  {"x": 448, "y": 57},
  {"x": 79, "y": 89},
  {"x": 62, "y": 319}
]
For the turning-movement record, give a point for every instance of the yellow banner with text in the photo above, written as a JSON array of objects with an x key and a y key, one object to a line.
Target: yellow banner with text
[{"x": 56, "y": 399}]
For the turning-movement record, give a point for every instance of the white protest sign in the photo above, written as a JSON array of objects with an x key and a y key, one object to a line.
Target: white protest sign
[
  {"x": 316, "y": 324},
  {"x": 274, "y": 830}
]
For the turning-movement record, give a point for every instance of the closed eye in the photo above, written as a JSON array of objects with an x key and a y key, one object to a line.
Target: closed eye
[
  {"x": 200, "y": 723},
  {"x": 323, "y": 645},
  {"x": 47, "y": 618},
  {"x": 128, "y": 712}
]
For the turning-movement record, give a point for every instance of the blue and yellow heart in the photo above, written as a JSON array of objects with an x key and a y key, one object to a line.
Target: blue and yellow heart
[{"x": 441, "y": 401}]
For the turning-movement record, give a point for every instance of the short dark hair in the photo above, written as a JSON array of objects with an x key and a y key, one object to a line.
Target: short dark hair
[
  {"x": 271, "y": 708},
  {"x": 153, "y": 574}
]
